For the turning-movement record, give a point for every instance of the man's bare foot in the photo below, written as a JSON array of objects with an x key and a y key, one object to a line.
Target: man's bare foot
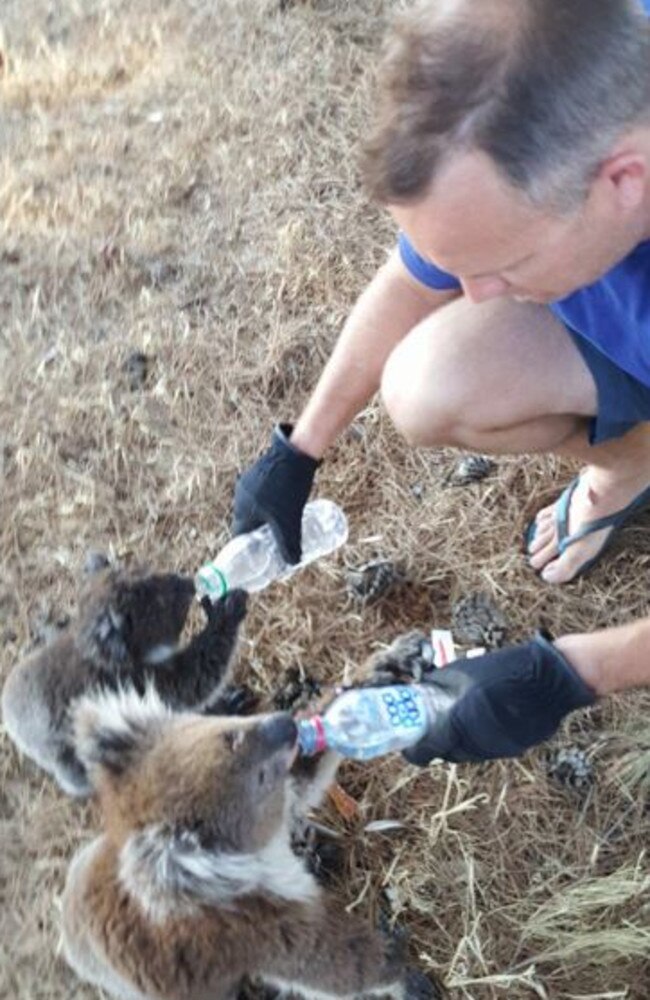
[{"x": 590, "y": 501}]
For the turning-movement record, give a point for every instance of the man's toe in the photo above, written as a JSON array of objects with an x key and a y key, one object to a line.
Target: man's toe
[
  {"x": 539, "y": 530},
  {"x": 543, "y": 537},
  {"x": 559, "y": 570},
  {"x": 571, "y": 563},
  {"x": 544, "y": 553}
]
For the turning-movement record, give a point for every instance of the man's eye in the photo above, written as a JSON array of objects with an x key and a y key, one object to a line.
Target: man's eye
[{"x": 512, "y": 272}]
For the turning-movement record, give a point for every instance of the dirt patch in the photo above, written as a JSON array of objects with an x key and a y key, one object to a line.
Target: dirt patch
[{"x": 178, "y": 184}]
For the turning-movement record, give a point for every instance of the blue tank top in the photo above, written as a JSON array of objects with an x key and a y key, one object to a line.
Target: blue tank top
[{"x": 613, "y": 313}]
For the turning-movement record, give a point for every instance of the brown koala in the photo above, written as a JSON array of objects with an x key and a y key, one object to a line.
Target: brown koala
[
  {"x": 127, "y": 630},
  {"x": 193, "y": 885}
]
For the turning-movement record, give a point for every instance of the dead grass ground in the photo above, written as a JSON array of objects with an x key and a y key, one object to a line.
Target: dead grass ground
[{"x": 178, "y": 178}]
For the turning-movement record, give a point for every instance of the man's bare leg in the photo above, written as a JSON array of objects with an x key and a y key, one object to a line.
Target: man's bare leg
[{"x": 505, "y": 377}]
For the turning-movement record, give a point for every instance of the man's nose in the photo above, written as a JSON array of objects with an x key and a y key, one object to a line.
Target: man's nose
[{"x": 481, "y": 289}]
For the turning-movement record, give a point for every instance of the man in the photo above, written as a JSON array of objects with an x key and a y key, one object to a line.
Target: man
[{"x": 512, "y": 149}]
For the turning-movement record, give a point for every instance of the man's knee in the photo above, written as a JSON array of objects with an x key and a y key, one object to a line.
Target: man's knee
[{"x": 423, "y": 409}]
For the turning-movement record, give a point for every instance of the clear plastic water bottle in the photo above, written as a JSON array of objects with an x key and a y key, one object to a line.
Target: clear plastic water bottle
[
  {"x": 369, "y": 722},
  {"x": 252, "y": 561}
]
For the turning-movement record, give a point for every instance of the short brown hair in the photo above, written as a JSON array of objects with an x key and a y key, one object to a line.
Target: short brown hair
[{"x": 544, "y": 87}]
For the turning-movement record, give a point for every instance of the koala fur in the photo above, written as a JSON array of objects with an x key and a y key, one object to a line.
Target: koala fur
[
  {"x": 193, "y": 885},
  {"x": 127, "y": 630}
]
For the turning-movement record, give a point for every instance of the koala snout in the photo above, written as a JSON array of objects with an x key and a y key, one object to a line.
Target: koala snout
[{"x": 277, "y": 731}]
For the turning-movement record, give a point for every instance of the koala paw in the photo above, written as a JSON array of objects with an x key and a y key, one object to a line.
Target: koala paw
[
  {"x": 395, "y": 939},
  {"x": 228, "y": 610},
  {"x": 236, "y": 605},
  {"x": 322, "y": 855},
  {"x": 417, "y": 986},
  {"x": 233, "y": 700},
  {"x": 408, "y": 658}
]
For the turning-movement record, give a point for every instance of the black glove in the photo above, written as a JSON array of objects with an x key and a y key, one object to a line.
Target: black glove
[
  {"x": 274, "y": 491},
  {"x": 502, "y": 703}
]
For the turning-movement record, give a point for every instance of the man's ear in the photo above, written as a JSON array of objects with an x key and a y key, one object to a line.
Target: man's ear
[
  {"x": 625, "y": 173},
  {"x": 111, "y": 729}
]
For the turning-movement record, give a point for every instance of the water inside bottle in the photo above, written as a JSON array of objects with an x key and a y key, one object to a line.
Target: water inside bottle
[
  {"x": 391, "y": 708},
  {"x": 252, "y": 561},
  {"x": 364, "y": 723}
]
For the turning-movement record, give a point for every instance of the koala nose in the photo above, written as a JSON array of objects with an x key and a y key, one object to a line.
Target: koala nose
[{"x": 278, "y": 731}]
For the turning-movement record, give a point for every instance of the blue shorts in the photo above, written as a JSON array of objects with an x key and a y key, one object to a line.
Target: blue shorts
[{"x": 623, "y": 401}]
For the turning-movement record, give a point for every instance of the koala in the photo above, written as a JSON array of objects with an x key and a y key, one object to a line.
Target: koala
[
  {"x": 408, "y": 659},
  {"x": 193, "y": 886},
  {"x": 127, "y": 629}
]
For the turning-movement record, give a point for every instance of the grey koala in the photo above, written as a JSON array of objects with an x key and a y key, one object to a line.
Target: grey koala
[{"x": 127, "y": 630}]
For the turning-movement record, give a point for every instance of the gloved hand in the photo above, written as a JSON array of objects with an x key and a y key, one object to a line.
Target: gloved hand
[
  {"x": 503, "y": 703},
  {"x": 274, "y": 491}
]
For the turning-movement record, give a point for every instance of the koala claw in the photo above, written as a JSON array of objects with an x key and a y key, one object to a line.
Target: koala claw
[
  {"x": 233, "y": 700},
  {"x": 230, "y": 608},
  {"x": 95, "y": 562},
  {"x": 418, "y": 986},
  {"x": 396, "y": 932},
  {"x": 236, "y": 604},
  {"x": 395, "y": 939},
  {"x": 408, "y": 658}
]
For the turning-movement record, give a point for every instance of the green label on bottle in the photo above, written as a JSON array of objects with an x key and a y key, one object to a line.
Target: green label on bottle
[{"x": 213, "y": 582}]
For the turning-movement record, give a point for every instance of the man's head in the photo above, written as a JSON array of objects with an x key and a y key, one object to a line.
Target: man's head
[{"x": 529, "y": 120}]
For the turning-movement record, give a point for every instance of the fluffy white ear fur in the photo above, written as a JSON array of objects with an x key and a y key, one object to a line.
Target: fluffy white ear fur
[
  {"x": 171, "y": 874},
  {"x": 103, "y": 637},
  {"x": 110, "y": 726}
]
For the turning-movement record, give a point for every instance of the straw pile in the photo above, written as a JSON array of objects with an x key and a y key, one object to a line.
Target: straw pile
[{"x": 178, "y": 181}]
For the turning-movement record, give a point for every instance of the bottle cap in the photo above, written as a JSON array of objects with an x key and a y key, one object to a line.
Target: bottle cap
[
  {"x": 311, "y": 736},
  {"x": 211, "y": 582}
]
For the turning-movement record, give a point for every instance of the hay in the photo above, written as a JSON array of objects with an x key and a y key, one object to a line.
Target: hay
[{"x": 178, "y": 179}]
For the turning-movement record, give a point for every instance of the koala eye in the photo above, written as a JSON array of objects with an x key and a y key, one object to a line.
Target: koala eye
[{"x": 234, "y": 739}]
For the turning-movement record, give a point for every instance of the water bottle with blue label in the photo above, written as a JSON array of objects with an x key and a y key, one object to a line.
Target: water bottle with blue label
[{"x": 369, "y": 722}]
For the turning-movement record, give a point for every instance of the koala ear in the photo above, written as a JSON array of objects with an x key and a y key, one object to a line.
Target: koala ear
[
  {"x": 111, "y": 729},
  {"x": 104, "y": 637},
  {"x": 171, "y": 873},
  {"x": 95, "y": 562}
]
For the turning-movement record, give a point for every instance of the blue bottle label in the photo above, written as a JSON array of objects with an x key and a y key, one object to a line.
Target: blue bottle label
[
  {"x": 365, "y": 723},
  {"x": 402, "y": 709}
]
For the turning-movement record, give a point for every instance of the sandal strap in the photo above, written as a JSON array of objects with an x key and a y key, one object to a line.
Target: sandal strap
[
  {"x": 609, "y": 521},
  {"x": 562, "y": 512}
]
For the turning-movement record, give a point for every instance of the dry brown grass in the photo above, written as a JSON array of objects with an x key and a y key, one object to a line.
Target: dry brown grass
[{"x": 178, "y": 178}]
